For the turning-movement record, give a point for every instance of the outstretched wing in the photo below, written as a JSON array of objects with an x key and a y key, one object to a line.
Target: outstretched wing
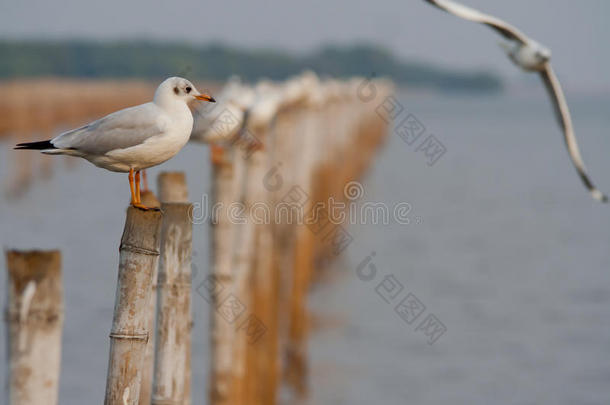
[
  {"x": 565, "y": 121},
  {"x": 119, "y": 130},
  {"x": 505, "y": 29}
]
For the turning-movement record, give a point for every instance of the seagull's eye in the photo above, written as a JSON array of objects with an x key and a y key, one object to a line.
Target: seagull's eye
[
  {"x": 176, "y": 90},
  {"x": 188, "y": 89}
]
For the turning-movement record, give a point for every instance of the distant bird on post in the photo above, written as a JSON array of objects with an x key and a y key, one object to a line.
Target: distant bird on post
[
  {"x": 135, "y": 138},
  {"x": 223, "y": 125},
  {"x": 532, "y": 57}
]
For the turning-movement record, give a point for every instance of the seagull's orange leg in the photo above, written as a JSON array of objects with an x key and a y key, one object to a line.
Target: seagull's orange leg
[
  {"x": 138, "y": 196},
  {"x": 217, "y": 154},
  {"x": 131, "y": 187},
  {"x": 138, "y": 202}
]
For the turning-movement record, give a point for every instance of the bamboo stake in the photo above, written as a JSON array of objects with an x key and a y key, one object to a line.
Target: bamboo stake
[
  {"x": 139, "y": 255},
  {"x": 35, "y": 319},
  {"x": 289, "y": 141},
  {"x": 149, "y": 199},
  {"x": 265, "y": 304},
  {"x": 173, "y": 341},
  {"x": 167, "y": 183},
  {"x": 174, "y": 312},
  {"x": 172, "y": 187},
  {"x": 227, "y": 177},
  {"x": 237, "y": 303},
  {"x": 255, "y": 382},
  {"x": 296, "y": 355}
]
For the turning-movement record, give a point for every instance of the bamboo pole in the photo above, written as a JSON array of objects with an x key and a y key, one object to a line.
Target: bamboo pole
[
  {"x": 167, "y": 183},
  {"x": 314, "y": 131},
  {"x": 264, "y": 361},
  {"x": 172, "y": 187},
  {"x": 35, "y": 319},
  {"x": 271, "y": 274},
  {"x": 227, "y": 181},
  {"x": 255, "y": 354},
  {"x": 172, "y": 363},
  {"x": 289, "y": 141},
  {"x": 150, "y": 200},
  {"x": 237, "y": 304},
  {"x": 139, "y": 255},
  {"x": 173, "y": 340}
]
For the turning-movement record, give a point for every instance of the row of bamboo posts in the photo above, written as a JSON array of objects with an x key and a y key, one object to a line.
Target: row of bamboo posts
[{"x": 279, "y": 151}]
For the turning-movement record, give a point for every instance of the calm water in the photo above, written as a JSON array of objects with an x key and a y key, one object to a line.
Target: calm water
[{"x": 508, "y": 252}]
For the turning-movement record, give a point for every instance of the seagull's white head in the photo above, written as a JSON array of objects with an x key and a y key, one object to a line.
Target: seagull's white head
[{"x": 177, "y": 89}]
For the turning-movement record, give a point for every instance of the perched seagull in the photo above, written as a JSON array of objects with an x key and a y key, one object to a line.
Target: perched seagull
[
  {"x": 220, "y": 123},
  {"x": 532, "y": 57},
  {"x": 135, "y": 138},
  {"x": 267, "y": 104},
  {"x": 223, "y": 125}
]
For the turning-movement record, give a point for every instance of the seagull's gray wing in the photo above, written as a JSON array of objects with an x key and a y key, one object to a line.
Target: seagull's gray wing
[
  {"x": 565, "y": 121},
  {"x": 505, "y": 29},
  {"x": 119, "y": 130}
]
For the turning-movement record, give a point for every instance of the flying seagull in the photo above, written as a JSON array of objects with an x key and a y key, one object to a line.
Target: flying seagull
[
  {"x": 135, "y": 138},
  {"x": 532, "y": 57}
]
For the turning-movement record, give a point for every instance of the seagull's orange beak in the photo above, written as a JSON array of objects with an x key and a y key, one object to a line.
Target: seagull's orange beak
[{"x": 205, "y": 97}]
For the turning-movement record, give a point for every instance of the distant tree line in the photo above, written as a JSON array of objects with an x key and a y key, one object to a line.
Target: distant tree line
[{"x": 154, "y": 60}]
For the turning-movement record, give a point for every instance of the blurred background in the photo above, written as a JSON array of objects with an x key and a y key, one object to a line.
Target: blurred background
[{"x": 509, "y": 251}]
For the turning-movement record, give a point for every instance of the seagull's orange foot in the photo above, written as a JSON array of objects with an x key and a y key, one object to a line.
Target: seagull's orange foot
[
  {"x": 217, "y": 153},
  {"x": 141, "y": 206}
]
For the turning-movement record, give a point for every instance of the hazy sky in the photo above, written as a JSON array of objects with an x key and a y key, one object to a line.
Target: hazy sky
[{"x": 576, "y": 31}]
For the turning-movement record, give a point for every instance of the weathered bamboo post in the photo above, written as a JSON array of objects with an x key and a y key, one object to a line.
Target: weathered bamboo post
[
  {"x": 255, "y": 348},
  {"x": 291, "y": 131},
  {"x": 268, "y": 173},
  {"x": 34, "y": 318},
  {"x": 241, "y": 265},
  {"x": 172, "y": 187},
  {"x": 139, "y": 255},
  {"x": 150, "y": 200},
  {"x": 313, "y": 131},
  {"x": 226, "y": 183},
  {"x": 228, "y": 174},
  {"x": 173, "y": 341}
]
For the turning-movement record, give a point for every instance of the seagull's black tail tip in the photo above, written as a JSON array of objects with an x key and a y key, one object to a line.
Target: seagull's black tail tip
[{"x": 42, "y": 145}]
